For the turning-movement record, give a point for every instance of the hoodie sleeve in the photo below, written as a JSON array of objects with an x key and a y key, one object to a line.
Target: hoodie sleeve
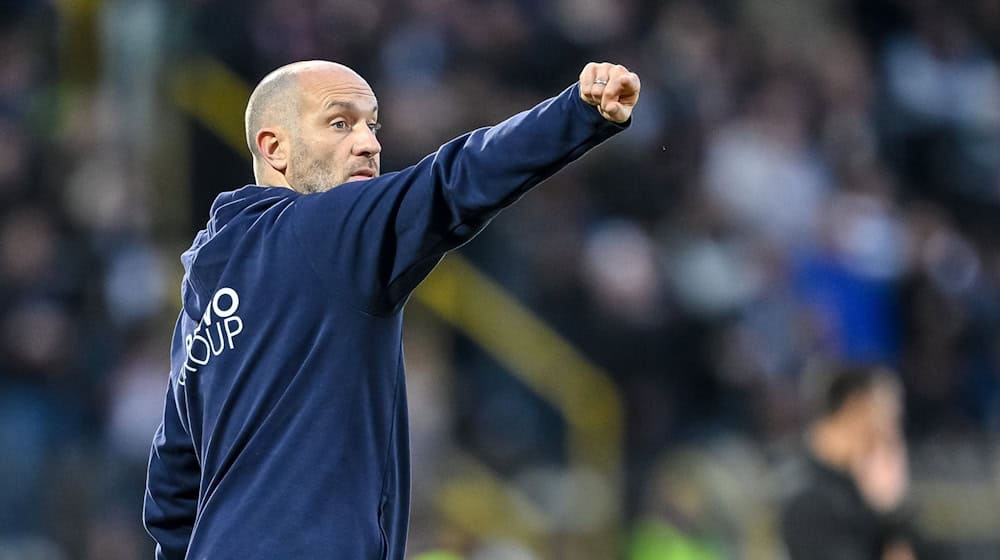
[
  {"x": 380, "y": 238},
  {"x": 172, "y": 485}
]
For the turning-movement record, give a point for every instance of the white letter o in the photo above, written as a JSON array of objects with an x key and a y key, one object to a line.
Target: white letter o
[{"x": 234, "y": 302}]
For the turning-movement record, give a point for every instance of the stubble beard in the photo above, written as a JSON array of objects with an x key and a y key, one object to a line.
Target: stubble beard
[{"x": 313, "y": 175}]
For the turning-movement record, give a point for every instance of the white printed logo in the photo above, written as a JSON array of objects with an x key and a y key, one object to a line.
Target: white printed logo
[{"x": 214, "y": 334}]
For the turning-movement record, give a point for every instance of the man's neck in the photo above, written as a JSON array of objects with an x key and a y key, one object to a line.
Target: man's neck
[{"x": 272, "y": 179}]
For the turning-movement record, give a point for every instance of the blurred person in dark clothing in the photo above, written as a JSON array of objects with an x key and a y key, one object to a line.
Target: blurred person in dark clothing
[{"x": 848, "y": 505}]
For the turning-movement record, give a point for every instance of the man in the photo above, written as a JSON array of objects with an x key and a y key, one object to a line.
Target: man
[
  {"x": 284, "y": 433},
  {"x": 848, "y": 505}
]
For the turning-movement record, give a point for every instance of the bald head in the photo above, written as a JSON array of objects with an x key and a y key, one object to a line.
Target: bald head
[
  {"x": 283, "y": 96},
  {"x": 277, "y": 98}
]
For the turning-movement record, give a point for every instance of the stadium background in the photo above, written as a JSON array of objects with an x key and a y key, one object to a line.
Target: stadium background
[{"x": 617, "y": 367}]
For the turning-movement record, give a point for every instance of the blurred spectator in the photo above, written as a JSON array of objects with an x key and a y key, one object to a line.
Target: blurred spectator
[
  {"x": 847, "y": 282},
  {"x": 678, "y": 522},
  {"x": 766, "y": 156},
  {"x": 848, "y": 501}
]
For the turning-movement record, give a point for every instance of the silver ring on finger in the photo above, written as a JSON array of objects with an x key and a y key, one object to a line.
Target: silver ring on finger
[{"x": 600, "y": 81}]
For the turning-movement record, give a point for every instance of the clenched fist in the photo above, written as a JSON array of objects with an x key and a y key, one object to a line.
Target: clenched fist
[{"x": 611, "y": 88}]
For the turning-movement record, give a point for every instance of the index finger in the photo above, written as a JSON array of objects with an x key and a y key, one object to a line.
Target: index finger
[{"x": 588, "y": 92}]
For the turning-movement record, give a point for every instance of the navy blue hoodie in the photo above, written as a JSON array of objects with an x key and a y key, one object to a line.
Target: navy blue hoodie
[{"x": 284, "y": 432}]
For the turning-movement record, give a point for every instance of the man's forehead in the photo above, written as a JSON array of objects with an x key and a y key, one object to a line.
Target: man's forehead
[
  {"x": 327, "y": 87},
  {"x": 359, "y": 104}
]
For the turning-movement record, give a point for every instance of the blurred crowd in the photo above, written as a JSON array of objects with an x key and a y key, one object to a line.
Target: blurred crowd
[{"x": 804, "y": 184}]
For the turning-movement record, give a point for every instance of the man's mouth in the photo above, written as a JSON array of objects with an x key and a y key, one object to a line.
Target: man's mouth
[{"x": 361, "y": 174}]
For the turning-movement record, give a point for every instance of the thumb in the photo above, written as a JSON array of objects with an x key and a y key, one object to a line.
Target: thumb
[
  {"x": 614, "y": 111},
  {"x": 612, "y": 107}
]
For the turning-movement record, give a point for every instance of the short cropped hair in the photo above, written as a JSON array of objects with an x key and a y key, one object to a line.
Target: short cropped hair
[
  {"x": 275, "y": 100},
  {"x": 845, "y": 382}
]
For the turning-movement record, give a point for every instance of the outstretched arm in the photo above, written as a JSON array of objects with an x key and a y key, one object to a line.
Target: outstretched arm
[{"x": 383, "y": 236}]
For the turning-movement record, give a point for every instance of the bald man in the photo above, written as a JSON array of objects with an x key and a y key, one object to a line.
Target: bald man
[{"x": 284, "y": 433}]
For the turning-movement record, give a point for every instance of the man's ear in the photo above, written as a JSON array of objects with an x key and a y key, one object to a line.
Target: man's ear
[{"x": 272, "y": 143}]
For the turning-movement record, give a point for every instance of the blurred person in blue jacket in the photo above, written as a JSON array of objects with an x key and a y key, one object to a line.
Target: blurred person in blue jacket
[
  {"x": 848, "y": 502},
  {"x": 284, "y": 431}
]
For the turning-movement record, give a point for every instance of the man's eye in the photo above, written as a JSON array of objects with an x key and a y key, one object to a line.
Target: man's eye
[
  {"x": 374, "y": 127},
  {"x": 341, "y": 125}
]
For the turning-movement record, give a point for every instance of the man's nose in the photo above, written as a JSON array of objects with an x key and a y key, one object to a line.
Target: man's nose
[{"x": 366, "y": 143}]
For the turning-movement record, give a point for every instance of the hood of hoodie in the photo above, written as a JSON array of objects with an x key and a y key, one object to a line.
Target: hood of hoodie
[{"x": 231, "y": 215}]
